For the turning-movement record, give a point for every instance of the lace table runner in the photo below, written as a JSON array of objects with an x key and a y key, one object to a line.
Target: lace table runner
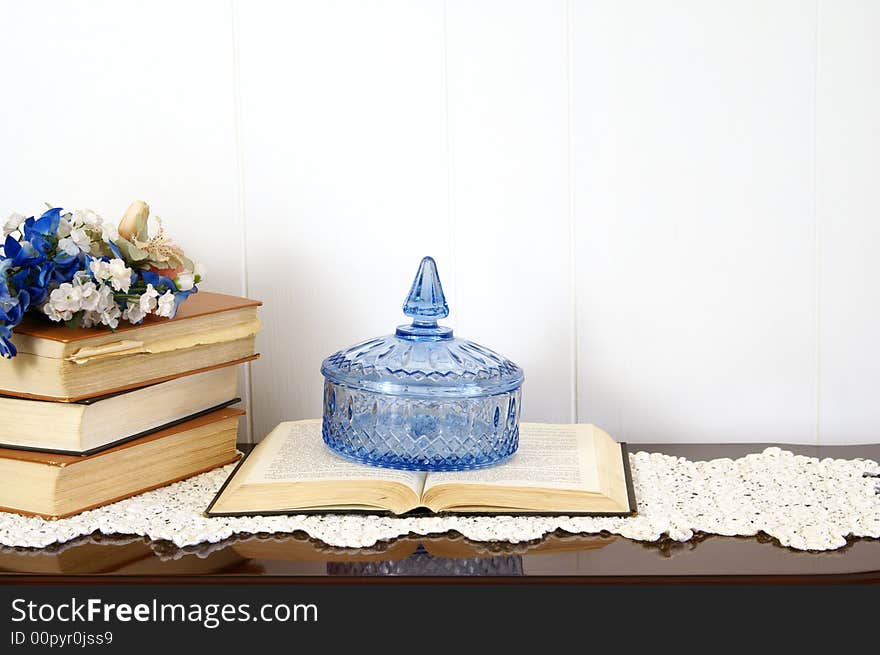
[{"x": 803, "y": 502}]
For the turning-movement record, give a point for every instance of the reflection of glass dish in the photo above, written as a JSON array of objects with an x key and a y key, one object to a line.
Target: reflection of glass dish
[
  {"x": 420, "y": 398},
  {"x": 424, "y": 563}
]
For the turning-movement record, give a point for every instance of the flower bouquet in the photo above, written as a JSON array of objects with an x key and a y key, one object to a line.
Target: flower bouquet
[{"x": 77, "y": 268}]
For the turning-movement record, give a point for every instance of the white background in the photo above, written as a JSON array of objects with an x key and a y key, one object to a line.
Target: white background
[{"x": 665, "y": 212}]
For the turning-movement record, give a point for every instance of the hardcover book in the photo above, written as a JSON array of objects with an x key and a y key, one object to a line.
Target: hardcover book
[
  {"x": 58, "y": 363},
  {"x": 55, "y": 486},
  {"x": 88, "y": 426},
  {"x": 558, "y": 469}
]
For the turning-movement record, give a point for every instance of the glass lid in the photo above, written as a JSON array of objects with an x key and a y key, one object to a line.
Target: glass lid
[{"x": 423, "y": 358}]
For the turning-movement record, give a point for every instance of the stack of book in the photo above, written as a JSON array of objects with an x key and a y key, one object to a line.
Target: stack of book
[{"x": 91, "y": 416}]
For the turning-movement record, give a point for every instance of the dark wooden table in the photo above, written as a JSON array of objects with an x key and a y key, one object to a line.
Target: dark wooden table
[{"x": 450, "y": 558}]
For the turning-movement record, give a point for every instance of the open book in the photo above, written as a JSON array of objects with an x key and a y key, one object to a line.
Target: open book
[{"x": 558, "y": 469}]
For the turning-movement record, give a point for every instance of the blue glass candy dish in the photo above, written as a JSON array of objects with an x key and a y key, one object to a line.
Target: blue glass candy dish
[{"x": 421, "y": 399}]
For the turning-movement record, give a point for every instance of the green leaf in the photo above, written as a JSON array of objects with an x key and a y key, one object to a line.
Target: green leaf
[
  {"x": 130, "y": 252},
  {"x": 75, "y": 321}
]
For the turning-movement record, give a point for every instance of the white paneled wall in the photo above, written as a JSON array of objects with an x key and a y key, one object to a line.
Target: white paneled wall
[
  {"x": 344, "y": 148},
  {"x": 507, "y": 98},
  {"x": 666, "y": 212},
  {"x": 695, "y": 232},
  {"x": 848, "y": 194},
  {"x": 102, "y": 103}
]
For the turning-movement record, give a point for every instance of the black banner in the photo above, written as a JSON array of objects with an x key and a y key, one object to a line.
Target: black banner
[{"x": 117, "y": 618}]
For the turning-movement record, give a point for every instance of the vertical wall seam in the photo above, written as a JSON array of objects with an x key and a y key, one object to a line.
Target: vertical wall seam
[
  {"x": 450, "y": 177},
  {"x": 240, "y": 182},
  {"x": 816, "y": 230},
  {"x": 572, "y": 223}
]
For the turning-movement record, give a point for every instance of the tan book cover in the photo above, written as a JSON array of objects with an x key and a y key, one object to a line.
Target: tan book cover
[
  {"x": 89, "y": 426},
  {"x": 558, "y": 469},
  {"x": 64, "y": 364},
  {"x": 54, "y": 485}
]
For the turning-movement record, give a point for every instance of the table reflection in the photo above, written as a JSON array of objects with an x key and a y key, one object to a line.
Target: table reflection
[
  {"x": 424, "y": 563},
  {"x": 449, "y": 555}
]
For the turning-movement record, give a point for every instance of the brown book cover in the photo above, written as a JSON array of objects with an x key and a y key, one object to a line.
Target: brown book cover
[{"x": 198, "y": 304}]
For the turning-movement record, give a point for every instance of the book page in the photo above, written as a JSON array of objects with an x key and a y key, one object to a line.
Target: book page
[
  {"x": 549, "y": 456},
  {"x": 295, "y": 452}
]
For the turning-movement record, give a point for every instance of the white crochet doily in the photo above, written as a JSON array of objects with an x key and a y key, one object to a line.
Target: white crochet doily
[{"x": 803, "y": 502}]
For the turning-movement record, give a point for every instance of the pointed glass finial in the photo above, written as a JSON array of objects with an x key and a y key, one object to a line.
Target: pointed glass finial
[
  {"x": 426, "y": 299},
  {"x": 425, "y": 304}
]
